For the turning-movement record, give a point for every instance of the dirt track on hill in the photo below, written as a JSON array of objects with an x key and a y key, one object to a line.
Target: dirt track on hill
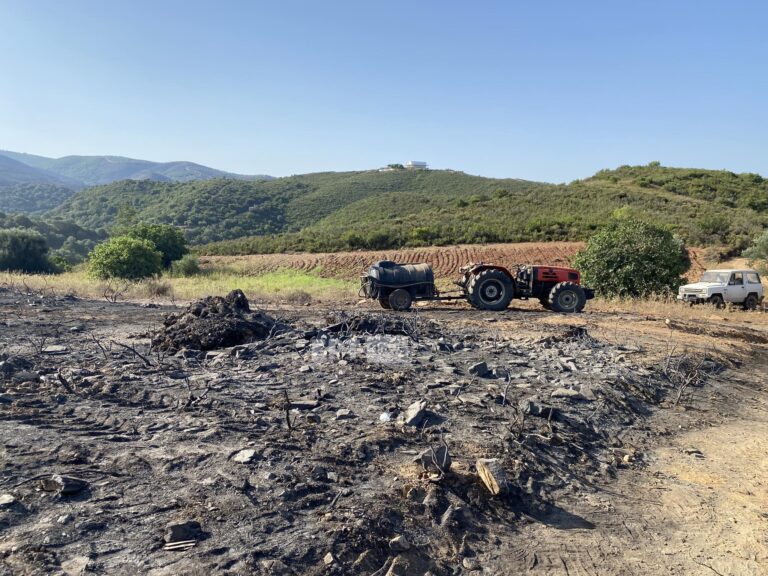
[{"x": 629, "y": 445}]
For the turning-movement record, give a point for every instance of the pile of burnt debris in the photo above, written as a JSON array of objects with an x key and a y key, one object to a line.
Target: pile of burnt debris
[{"x": 213, "y": 323}]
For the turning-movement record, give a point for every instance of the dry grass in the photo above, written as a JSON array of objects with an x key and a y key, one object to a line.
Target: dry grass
[{"x": 279, "y": 286}]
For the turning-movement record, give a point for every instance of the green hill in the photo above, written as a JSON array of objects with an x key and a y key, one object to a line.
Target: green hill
[
  {"x": 65, "y": 239},
  {"x": 81, "y": 171},
  {"x": 349, "y": 210}
]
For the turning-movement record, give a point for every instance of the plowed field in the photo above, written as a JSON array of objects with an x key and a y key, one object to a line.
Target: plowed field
[{"x": 445, "y": 260}]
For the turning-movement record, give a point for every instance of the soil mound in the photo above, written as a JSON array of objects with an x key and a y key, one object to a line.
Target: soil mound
[{"x": 212, "y": 323}]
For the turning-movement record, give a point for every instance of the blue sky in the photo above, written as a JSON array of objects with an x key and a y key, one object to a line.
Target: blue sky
[{"x": 548, "y": 91}]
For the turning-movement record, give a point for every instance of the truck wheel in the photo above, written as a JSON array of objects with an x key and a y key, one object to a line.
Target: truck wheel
[
  {"x": 567, "y": 297},
  {"x": 400, "y": 300},
  {"x": 717, "y": 301},
  {"x": 490, "y": 289},
  {"x": 384, "y": 302},
  {"x": 751, "y": 302}
]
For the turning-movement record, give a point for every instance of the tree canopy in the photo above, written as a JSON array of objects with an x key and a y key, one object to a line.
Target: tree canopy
[{"x": 633, "y": 258}]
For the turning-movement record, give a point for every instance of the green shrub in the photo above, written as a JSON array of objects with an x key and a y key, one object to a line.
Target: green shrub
[
  {"x": 189, "y": 265},
  {"x": 633, "y": 258},
  {"x": 169, "y": 240},
  {"x": 758, "y": 252},
  {"x": 125, "y": 257},
  {"x": 24, "y": 251}
]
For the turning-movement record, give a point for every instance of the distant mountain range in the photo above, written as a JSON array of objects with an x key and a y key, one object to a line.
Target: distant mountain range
[{"x": 27, "y": 180}]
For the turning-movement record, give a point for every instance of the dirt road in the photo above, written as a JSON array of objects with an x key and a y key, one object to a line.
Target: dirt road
[{"x": 700, "y": 507}]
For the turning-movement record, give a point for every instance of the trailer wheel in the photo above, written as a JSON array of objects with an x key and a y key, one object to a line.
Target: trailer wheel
[
  {"x": 384, "y": 302},
  {"x": 400, "y": 300},
  {"x": 490, "y": 289},
  {"x": 567, "y": 297}
]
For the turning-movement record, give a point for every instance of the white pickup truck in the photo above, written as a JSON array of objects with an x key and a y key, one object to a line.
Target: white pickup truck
[{"x": 718, "y": 287}]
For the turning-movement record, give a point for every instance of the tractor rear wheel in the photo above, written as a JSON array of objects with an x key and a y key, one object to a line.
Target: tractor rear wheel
[
  {"x": 400, "y": 300},
  {"x": 567, "y": 297},
  {"x": 490, "y": 289}
]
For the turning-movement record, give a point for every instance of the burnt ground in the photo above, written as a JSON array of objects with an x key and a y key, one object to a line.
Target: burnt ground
[{"x": 320, "y": 447}]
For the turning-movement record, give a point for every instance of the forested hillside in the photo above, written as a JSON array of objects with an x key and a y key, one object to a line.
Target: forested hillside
[{"x": 349, "y": 210}]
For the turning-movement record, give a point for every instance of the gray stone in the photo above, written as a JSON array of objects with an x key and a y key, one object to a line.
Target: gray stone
[
  {"x": 344, "y": 414},
  {"x": 7, "y": 500},
  {"x": 414, "y": 414},
  {"x": 64, "y": 485},
  {"x": 55, "y": 349},
  {"x": 480, "y": 369},
  {"x": 399, "y": 544},
  {"x": 492, "y": 475},
  {"x": 25, "y": 376},
  {"x": 568, "y": 394},
  {"x": 244, "y": 456},
  {"x": 182, "y": 531},
  {"x": 428, "y": 457}
]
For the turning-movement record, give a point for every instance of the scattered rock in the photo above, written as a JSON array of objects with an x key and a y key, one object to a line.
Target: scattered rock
[
  {"x": 244, "y": 456},
  {"x": 329, "y": 559},
  {"x": 399, "y": 544},
  {"x": 344, "y": 414},
  {"x": 76, "y": 566},
  {"x": 7, "y": 500},
  {"x": 414, "y": 414},
  {"x": 182, "y": 531},
  {"x": 25, "y": 376},
  {"x": 480, "y": 369},
  {"x": 55, "y": 349},
  {"x": 567, "y": 393},
  {"x": 492, "y": 475},
  {"x": 436, "y": 461},
  {"x": 64, "y": 485}
]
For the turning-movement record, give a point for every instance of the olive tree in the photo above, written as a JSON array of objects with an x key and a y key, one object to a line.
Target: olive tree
[
  {"x": 633, "y": 258},
  {"x": 169, "y": 240},
  {"x": 24, "y": 251},
  {"x": 126, "y": 258}
]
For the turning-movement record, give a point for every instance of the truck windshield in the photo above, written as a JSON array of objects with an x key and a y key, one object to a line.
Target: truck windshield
[{"x": 719, "y": 277}]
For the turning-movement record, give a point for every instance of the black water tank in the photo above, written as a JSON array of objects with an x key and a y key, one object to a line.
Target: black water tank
[{"x": 389, "y": 273}]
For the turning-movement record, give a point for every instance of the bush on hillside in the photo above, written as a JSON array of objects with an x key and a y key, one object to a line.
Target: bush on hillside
[
  {"x": 188, "y": 265},
  {"x": 169, "y": 240},
  {"x": 633, "y": 258},
  {"x": 125, "y": 257},
  {"x": 758, "y": 253},
  {"x": 23, "y": 250}
]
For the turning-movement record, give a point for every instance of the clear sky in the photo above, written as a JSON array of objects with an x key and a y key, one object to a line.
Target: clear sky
[{"x": 544, "y": 90}]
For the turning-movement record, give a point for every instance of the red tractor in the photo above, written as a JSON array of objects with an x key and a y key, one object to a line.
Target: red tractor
[{"x": 484, "y": 286}]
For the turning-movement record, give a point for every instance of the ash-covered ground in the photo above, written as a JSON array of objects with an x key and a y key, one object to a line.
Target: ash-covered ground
[{"x": 224, "y": 439}]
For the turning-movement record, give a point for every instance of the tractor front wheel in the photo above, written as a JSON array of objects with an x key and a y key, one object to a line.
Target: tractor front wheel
[
  {"x": 400, "y": 300},
  {"x": 567, "y": 297},
  {"x": 490, "y": 289}
]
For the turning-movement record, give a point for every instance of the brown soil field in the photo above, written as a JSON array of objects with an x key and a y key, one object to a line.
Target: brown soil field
[{"x": 445, "y": 260}]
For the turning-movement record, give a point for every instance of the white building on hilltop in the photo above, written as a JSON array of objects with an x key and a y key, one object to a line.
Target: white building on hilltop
[{"x": 415, "y": 165}]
